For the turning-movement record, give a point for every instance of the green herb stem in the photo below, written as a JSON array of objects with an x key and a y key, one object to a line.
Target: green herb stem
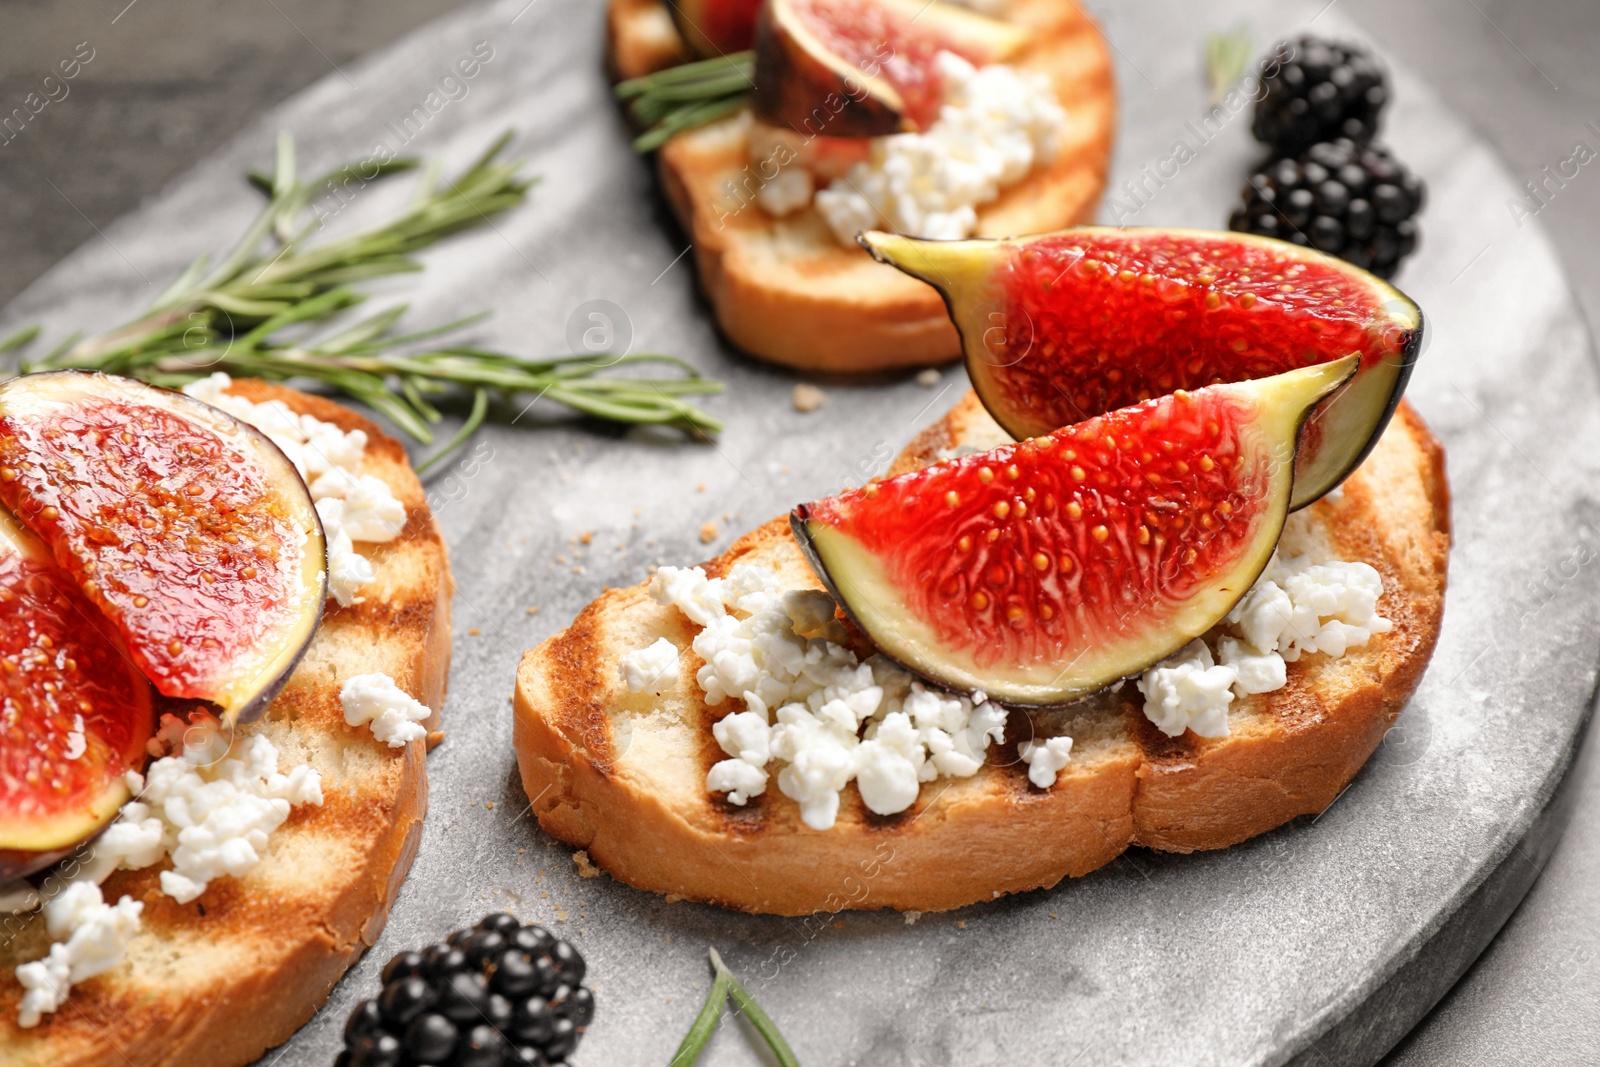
[
  {"x": 723, "y": 986},
  {"x": 684, "y": 97},
  {"x": 277, "y": 306},
  {"x": 704, "y": 1023},
  {"x": 758, "y": 1018}
]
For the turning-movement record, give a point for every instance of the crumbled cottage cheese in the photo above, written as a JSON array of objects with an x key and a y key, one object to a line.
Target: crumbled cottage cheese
[
  {"x": 90, "y": 936},
  {"x": 1045, "y": 759},
  {"x": 210, "y": 807},
  {"x": 995, "y": 125},
  {"x": 651, "y": 670},
  {"x": 811, "y": 705},
  {"x": 395, "y": 715},
  {"x": 1298, "y": 606},
  {"x": 353, "y": 506}
]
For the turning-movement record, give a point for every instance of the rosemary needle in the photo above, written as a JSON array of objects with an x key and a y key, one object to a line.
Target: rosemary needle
[
  {"x": 723, "y": 986},
  {"x": 279, "y": 305},
  {"x": 681, "y": 98}
]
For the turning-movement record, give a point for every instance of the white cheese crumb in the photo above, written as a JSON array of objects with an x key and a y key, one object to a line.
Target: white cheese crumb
[
  {"x": 395, "y": 715},
  {"x": 1188, "y": 692},
  {"x": 352, "y": 506},
  {"x": 786, "y": 192},
  {"x": 994, "y": 126},
  {"x": 811, "y": 705},
  {"x": 90, "y": 936},
  {"x": 348, "y": 570},
  {"x": 211, "y": 807},
  {"x": 1298, "y": 606},
  {"x": 651, "y": 670},
  {"x": 1045, "y": 759}
]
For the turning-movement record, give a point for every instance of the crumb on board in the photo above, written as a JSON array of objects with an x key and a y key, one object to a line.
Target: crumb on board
[
  {"x": 586, "y": 537},
  {"x": 912, "y": 917},
  {"x": 489, "y": 804},
  {"x": 474, "y": 632},
  {"x": 586, "y": 869},
  {"x": 808, "y": 397},
  {"x": 534, "y": 610},
  {"x": 708, "y": 533},
  {"x": 928, "y": 377}
]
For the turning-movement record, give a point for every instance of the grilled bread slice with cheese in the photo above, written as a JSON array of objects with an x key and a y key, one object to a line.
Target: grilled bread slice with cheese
[
  {"x": 220, "y": 980},
  {"x": 623, "y": 774},
  {"x": 784, "y": 289}
]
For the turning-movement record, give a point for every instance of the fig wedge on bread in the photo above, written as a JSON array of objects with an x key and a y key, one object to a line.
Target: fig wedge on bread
[
  {"x": 785, "y": 289},
  {"x": 622, "y": 774},
  {"x": 221, "y": 979}
]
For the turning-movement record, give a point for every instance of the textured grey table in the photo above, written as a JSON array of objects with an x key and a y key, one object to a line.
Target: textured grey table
[{"x": 1281, "y": 944}]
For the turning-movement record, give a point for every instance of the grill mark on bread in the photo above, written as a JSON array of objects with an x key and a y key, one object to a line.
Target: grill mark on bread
[{"x": 575, "y": 655}]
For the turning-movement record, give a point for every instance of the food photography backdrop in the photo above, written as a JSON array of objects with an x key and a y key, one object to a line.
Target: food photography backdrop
[{"x": 1478, "y": 821}]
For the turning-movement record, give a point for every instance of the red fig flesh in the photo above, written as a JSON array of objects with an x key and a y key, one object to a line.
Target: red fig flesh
[
  {"x": 1062, "y": 326},
  {"x": 188, "y": 529},
  {"x": 1043, "y": 571},
  {"x": 865, "y": 68},
  {"x": 75, "y": 712}
]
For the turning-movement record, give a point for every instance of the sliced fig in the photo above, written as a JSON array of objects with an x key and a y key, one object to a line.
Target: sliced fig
[
  {"x": 1043, "y": 571},
  {"x": 75, "y": 712},
  {"x": 190, "y": 530},
  {"x": 865, "y": 68},
  {"x": 1063, "y": 326},
  {"x": 714, "y": 28}
]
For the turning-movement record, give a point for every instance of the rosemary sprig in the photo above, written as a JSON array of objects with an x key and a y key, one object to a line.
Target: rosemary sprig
[
  {"x": 276, "y": 307},
  {"x": 680, "y": 98},
  {"x": 723, "y": 986},
  {"x": 1228, "y": 53}
]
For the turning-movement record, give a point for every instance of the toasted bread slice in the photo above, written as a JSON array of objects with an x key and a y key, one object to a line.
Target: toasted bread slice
[
  {"x": 623, "y": 774},
  {"x": 218, "y": 981},
  {"x": 784, "y": 289}
]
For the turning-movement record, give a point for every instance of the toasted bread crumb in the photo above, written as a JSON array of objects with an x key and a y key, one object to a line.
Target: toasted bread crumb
[
  {"x": 534, "y": 610},
  {"x": 586, "y": 537},
  {"x": 673, "y": 898},
  {"x": 474, "y": 633},
  {"x": 708, "y": 533},
  {"x": 586, "y": 869},
  {"x": 808, "y": 397},
  {"x": 700, "y": 488},
  {"x": 489, "y": 804},
  {"x": 928, "y": 377},
  {"x": 912, "y": 917},
  {"x": 561, "y": 914},
  {"x": 433, "y": 740},
  {"x": 962, "y": 925}
]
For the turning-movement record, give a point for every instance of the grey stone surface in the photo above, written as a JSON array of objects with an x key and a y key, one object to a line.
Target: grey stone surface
[{"x": 1253, "y": 955}]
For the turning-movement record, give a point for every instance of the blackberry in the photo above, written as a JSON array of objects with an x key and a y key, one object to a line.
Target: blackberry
[
  {"x": 498, "y": 994},
  {"x": 1324, "y": 91},
  {"x": 1353, "y": 201}
]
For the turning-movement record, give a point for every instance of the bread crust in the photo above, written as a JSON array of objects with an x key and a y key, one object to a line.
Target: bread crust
[
  {"x": 622, "y": 775},
  {"x": 785, "y": 290},
  {"x": 220, "y": 980}
]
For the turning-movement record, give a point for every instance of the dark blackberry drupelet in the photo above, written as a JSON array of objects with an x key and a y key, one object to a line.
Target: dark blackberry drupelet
[
  {"x": 1353, "y": 201},
  {"x": 1324, "y": 91},
  {"x": 498, "y": 994}
]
